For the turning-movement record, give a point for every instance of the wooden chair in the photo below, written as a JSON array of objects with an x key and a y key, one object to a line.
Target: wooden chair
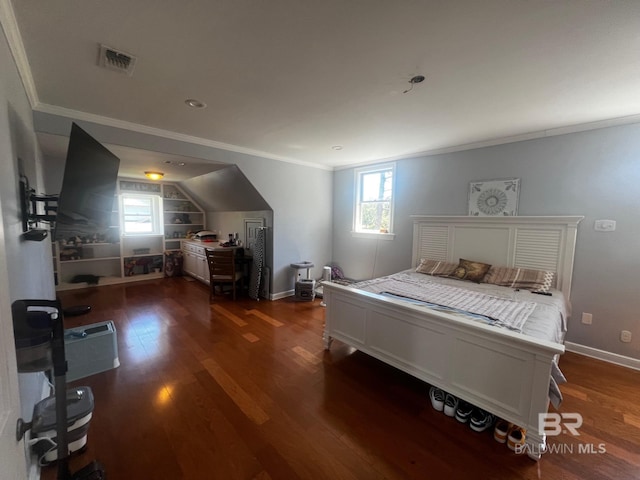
[{"x": 222, "y": 270}]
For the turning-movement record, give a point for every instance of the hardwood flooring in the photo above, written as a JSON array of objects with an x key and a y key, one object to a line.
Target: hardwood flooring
[{"x": 245, "y": 390}]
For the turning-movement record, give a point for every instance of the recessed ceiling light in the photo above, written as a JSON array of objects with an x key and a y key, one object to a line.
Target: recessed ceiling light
[
  {"x": 154, "y": 175},
  {"x": 337, "y": 147},
  {"x": 193, "y": 103}
]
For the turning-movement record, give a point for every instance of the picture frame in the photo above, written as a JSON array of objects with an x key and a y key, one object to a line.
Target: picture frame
[{"x": 490, "y": 198}]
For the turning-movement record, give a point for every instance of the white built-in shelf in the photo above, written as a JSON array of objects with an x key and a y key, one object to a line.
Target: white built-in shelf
[
  {"x": 96, "y": 259},
  {"x": 112, "y": 262}
]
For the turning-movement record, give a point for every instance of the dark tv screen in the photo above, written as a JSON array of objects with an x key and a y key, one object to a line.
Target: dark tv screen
[{"x": 86, "y": 199}]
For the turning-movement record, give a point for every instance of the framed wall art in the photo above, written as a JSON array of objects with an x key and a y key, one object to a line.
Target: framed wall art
[{"x": 488, "y": 198}]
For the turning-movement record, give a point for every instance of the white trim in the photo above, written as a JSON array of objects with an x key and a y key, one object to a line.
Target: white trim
[
  {"x": 158, "y": 132},
  {"x": 358, "y": 173},
  {"x": 14, "y": 39},
  {"x": 278, "y": 296},
  {"x": 603, "y": 355}
]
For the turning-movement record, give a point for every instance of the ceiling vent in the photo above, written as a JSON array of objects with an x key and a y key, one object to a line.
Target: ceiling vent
[{"x": 116, "y": 60}]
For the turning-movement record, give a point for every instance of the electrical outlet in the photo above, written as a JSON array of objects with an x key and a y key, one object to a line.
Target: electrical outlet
[
  {"x": 625, "y": 336},
  {"x": 587, "y": 318}
]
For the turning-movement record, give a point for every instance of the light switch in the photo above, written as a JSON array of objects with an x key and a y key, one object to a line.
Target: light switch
[{"x": 604, "y": 225}]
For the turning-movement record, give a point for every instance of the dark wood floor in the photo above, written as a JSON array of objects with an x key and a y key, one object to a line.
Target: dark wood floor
[{"x": 244, "y": 390}]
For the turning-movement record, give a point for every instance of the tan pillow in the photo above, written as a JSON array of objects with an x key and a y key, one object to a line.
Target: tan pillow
[
  {"x": 436, "y": 267},
  {"x": 472, "y": 271},
  {"x": 536, "y": 280}
]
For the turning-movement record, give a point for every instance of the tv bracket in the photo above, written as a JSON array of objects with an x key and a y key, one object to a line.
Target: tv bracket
[{"x": 36, "y": 209}]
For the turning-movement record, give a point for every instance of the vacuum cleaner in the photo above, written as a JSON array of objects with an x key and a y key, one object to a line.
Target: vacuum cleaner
[{"x": 39, "y": 336}]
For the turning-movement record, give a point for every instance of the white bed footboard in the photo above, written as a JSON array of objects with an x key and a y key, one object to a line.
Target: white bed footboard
[{"x": 503, "y": 372}]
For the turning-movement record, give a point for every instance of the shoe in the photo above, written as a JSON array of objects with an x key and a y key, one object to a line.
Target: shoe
[
  {"x": 437, "y": 398},
  {"x": 501, "y": 431},
  {"x": 450, "y": 405},
  {"x": 463, "y": 412},
  {"x": 516, "y": 437},
  {"x": 481, "y": 420}
]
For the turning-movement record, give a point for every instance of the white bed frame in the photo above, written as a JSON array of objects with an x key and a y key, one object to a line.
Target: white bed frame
[{"x": 503, "y": 372}]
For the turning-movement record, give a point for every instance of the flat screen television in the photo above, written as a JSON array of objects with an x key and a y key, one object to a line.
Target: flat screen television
[{"x": 86, "y": 199}]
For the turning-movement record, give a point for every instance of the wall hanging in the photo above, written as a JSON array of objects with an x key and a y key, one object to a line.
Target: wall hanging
[{"x": 489, "y": 198}]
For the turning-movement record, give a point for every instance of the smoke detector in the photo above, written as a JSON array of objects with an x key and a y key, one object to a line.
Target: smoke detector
[{"x": 117, "y": 60}]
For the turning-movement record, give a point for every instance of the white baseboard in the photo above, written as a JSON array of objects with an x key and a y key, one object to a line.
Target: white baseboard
[
  {"x": 278, "y": 296},
  {"x": 622, "y": 360}
]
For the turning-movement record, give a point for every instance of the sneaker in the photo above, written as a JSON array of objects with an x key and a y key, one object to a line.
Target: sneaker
[
  {"x": 481, "y": 420},
  {"x": 463, "y": 412},
  {"x": 450, "y": 405},
  {"x": 516, "y": 437},
  {"x": 437, "y": 398},
  {"x": 501, "y": 431}
]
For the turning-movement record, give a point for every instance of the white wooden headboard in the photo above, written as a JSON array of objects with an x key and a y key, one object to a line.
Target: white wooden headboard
[{"x": 541, "y": 243}]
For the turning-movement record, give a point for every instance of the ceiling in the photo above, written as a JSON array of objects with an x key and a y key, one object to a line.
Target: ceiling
[{"x": 291, "y": 79}]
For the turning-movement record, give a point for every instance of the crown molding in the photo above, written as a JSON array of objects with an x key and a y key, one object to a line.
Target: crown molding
[
  {"x": 14, "y": 39},
  {"x": 179, "y": 137},
  {"x": 551, "y": 132}
]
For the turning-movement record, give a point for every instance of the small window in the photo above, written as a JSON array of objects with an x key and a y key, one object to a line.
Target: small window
[
  {"x": 374, "y": 199},
  {"x": 140, "y": 214}
]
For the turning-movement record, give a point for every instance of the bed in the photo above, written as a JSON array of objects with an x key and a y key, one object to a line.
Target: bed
[{"x": 501, "y": 370}]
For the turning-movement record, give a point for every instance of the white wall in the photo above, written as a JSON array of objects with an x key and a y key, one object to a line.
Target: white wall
[
  {"x": 29, "y": 268},
  {"x": 594, "y": 173}
]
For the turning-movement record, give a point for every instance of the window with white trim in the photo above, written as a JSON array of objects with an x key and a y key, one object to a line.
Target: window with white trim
[
  {"x": 374, "y": 199},
  {"x": 141, "y": 214}
]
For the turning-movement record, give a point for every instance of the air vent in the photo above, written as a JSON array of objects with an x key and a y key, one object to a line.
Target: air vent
[{"x": 116, "y": 60}]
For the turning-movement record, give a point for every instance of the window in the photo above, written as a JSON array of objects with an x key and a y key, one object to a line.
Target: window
[
  {"x": 374, "y": 199},
  {"x": 140, "y": 214}
]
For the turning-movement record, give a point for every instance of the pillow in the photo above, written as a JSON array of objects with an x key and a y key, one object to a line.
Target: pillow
[
  {"x": 436, "y": 267},
  {"x": 472, "y": 271},
  {"x": 536, "y": 280}
]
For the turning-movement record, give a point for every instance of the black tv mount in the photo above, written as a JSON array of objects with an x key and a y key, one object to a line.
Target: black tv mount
[{"x": 30, "y": 202}]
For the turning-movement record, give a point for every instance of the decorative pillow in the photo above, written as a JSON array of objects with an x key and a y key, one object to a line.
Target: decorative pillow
[
  {"x": 536, "y": 280},
  {"x": 472, "y": 271},
  {"x": 436, "y": 267}
]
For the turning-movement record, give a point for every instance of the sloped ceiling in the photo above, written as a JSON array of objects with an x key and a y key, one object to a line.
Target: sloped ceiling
[
  {"x": 225, "y": 190},
  {"x": 133, "y": 161}
]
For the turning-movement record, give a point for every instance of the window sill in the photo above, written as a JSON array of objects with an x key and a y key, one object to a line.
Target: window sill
[{"x": 376, "y": 235}]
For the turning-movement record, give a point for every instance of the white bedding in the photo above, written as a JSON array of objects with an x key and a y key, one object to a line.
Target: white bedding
[{"x": 547, "y": 321}]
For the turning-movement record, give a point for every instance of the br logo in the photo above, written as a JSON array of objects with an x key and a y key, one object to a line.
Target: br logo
[{"x": 554, "y": 424}]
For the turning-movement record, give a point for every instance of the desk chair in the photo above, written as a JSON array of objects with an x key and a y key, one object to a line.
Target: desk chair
[{"x": 222, "y": 270}]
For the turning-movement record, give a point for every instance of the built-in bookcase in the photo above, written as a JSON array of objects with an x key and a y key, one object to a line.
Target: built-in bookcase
[{"x": 129, "y": 257}]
